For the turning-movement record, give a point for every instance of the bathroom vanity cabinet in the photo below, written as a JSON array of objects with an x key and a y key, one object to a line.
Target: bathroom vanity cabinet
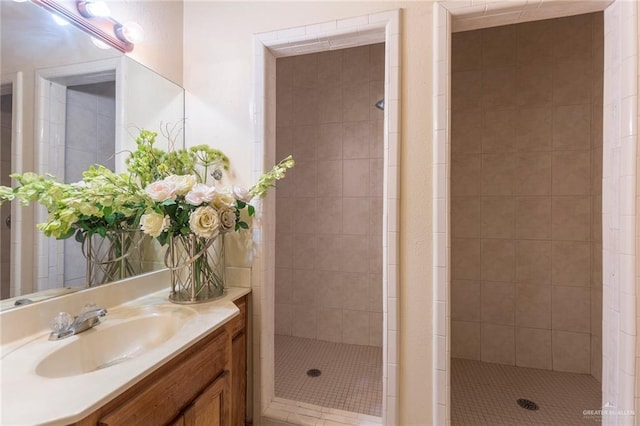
[{"x": 205, "y": 385}]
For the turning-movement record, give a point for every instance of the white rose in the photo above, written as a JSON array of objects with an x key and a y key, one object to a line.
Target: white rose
[
  {"x": 200, "y": 193},
  {"x": 161, "y": 190},
  {"x": 154, "y": 223},
  {"x": 223, "y": 199},
  {"x": 182, "y": 183},
  {"x": 227, "y": 219},
  {"x": 242, "y": 194},
  {"x": 204, "y": 222}
]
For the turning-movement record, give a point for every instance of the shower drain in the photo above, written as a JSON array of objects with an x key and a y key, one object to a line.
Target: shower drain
[
  {"x": 314, "y": 372},
  {"x": 527, "y": 404}
]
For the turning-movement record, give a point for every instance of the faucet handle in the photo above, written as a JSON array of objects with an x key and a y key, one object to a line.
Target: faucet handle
[{"x": 61, "y": 322}]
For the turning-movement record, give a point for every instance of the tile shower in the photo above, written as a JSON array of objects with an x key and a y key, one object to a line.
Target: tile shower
[
  {"x": 526, "y": 195},
  {"x": 6, "y": 114},
  {"x": 328, "y": 277}
]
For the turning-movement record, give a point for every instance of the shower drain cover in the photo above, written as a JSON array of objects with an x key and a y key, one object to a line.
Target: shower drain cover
[
  {"x": 314, "y": 372},
  {"x": 527, "y": 404}
]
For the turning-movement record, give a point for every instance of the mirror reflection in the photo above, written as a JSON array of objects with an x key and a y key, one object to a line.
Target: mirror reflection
[{"x": 66, "y": 104}]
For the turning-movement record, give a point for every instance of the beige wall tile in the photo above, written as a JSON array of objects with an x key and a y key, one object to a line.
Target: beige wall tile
[
  {"x": 328, "y": 209},
  {"x": 570, "y": 78},
  {"x": 305, "y": 71},
  {"x": 465, "y": 217},
  {"x": 305, "y": 251},
  {"x": 498, "y": 131},
  {"x": 283, "y": 319},
  {"x": 329, "y": 68},
  {"x": 466, "y": 51},
  {"x": 466, "y": 175},
  {"x": 306, "y": 179},
  {"x": 355, "y": 291},
  {"x": 465, "y": 340},
  {"x": 465, "y": 300},
  {"x": 375, "y": 293},
  {"x": 571, "y": 352},
  {"x": 355, "y": 253},
  {"x": 355, "y": 215},
  {"x": 498, "y": 173},
  {"x": 571, "y": 172},
  {"x": 498, "y": 303},
  {"x": 376, "y": 177},
  {"x": 305, "y": 106},
  {"x": 534, "y": 129},
  {"x": 329, "y": 146},
  {"x": 355, "y": 65},
  {"x": 498, "y": 218},
  {"x": 355, "y": 178},
  {"x": 328, "y": 101},
  {"x": 465, "y": 259},
  {"x": 596, "y": 358},
  {"x": 533, "y": 218},
  {"x": 596, "y": 312},
  {"x": 533, "y": 348},
  {"x": 355, "y": 327},
  {"x": 533, "y": 306},
  {"x": 284, "y": 107},
  {"x": 466, "y": 132},
  {"x": 534, "y": 85},
  {"x": 375, "y": 329},
  {"x": 596, "y": 265},
  {"x": 533, "y": 173},
  {"x": 466, "y": 90},
  {"x": 570, "y": 309},
  {"x": 572, "y": 126},
  {"x": 355, "y": 106},
  {"x": 284, "y": 285},
  {"x": 596, "y": 169},
  {"x": 533, "y": 263},
  {"x": 329, "y": 293},
  {"x": 596, "y": 221},
  {"x": 329, "y": 325},
  {"x": 571, "y": 263},
  {"x": 499, "y": 46},
  {"x": 330, "y": 252},
  {"x": 284, "y": 250},
  {"x": 355, "y": 139},
  {"x": 498, "y": 87},
  {"x": 498, "y": 260},
  {"x": 304, "y": 287},
  {"x": 304, "y": 321},
  {"x": 329, "y": 178},
  {"x": 571, "y": 218},
  {"x": 498, "y": 344},
  {"x": 535, "y": 42},
  {"x": 572, "y": 38}
]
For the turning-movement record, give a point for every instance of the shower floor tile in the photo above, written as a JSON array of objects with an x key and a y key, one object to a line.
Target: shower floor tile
[
  {"x": 350, "y": 380},
  {"x": 485, "y": 394}
]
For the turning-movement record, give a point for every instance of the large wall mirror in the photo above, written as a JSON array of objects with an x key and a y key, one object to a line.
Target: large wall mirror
[{"x": 68, "y": 101}]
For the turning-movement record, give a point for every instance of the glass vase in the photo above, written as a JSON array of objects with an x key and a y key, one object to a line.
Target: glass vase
[
  {"x": 116, "y": 256},
  {"x": 197, "y": 268}
]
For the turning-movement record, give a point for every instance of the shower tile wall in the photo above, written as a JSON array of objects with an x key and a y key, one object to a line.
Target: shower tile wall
[
  {"x": 5, "y": 209},
  {"x": 329, "y": 209},
  {"x": 526, "y": 194},
  {"x": 90, "y": 139}
]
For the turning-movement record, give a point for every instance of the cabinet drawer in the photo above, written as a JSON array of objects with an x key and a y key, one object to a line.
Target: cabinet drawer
[{"x": 160, "y": 397}]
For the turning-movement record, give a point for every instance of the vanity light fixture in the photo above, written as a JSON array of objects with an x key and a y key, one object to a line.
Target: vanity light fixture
[
  {"x": 130, "y": 32},
  {"x": 93, "y": 9}
]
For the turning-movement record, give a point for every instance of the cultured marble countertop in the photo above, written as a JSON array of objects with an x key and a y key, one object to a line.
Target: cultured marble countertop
[{"x": 27, "y": 398}]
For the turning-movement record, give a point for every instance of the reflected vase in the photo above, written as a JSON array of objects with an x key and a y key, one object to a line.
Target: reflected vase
[
  {"x": 197, "y": 268},
  {"x": 115, "y": 256}
]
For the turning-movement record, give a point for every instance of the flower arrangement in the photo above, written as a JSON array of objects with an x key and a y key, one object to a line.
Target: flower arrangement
[
  {"x": 164, "y": 193},
  {"x": 167, "y": 195}
]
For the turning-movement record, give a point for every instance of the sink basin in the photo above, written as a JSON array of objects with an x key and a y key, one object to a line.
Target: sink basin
[{"x": 113, "y": 342}]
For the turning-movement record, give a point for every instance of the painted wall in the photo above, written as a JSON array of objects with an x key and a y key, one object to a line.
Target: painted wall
[
  {"x": 218, "y": 61},
  {"x": 526, "y": 185},
  {"x": 328, "y": 282}
]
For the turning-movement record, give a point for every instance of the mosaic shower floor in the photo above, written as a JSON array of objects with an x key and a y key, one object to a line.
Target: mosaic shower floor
[
  {"x": 485, "y": 394},
  {"x": 350, "y": 375}
]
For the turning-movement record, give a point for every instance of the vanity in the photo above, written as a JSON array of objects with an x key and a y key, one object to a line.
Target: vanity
[{"x": 149, "y": 362}]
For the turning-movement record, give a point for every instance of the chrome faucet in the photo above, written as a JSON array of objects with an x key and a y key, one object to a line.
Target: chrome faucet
[{"x": 64, "y": 325}]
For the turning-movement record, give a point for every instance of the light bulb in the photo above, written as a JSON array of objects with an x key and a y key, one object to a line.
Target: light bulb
[
  {"x": 100, "y": 44},
  {"x": 130, "y": 32},
  {"x": 59, "y": 20},
  {"x": 91, "y": 9}
]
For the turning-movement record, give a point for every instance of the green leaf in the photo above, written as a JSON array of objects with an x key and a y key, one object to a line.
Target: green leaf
[
  {"x": 243, "y": 225},
  {"x": 162, "y": 238},
  {"x": 241, "y": 204},
  {"x": 185, "y": 230},
  {"x": 251, "y": 210},
  {"x": 79, "y": 236}
]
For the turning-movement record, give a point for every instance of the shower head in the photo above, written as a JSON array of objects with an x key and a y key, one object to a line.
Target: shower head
[{"x": 380, "y": 104}]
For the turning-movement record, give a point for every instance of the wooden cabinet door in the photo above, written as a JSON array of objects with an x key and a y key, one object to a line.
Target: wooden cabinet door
[
  {"x": 239, "y": 379},
  {"x": 213, "y": 406}
]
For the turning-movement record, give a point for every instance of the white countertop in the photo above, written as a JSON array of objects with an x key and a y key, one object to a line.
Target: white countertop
[{"x": 28, "y": 399}]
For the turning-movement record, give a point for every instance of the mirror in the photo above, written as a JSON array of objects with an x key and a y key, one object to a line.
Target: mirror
[{"x": 66, "y": 104}]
